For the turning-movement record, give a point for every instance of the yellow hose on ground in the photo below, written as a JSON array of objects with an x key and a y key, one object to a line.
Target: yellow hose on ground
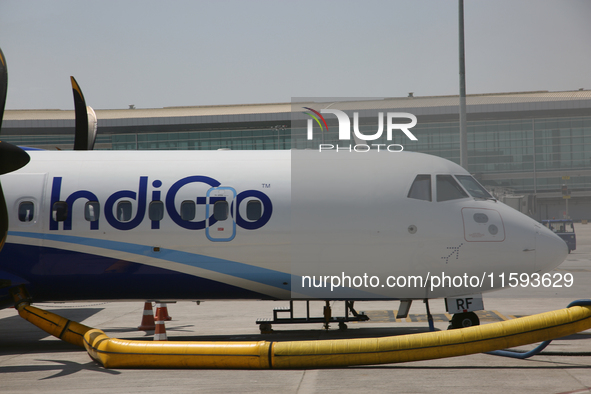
[
  {"x": 53, "y": 324},
  {"x": 116, "y": 353}
]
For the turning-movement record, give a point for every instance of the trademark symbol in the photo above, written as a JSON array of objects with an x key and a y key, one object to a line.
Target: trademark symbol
[{"x": 266, "y": 185}]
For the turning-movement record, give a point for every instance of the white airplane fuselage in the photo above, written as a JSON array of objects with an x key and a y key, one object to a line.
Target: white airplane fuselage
[{"x": 142, "y": 225}]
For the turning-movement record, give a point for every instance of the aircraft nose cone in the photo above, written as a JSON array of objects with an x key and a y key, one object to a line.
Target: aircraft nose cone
[{"x": 551, "y": 250}]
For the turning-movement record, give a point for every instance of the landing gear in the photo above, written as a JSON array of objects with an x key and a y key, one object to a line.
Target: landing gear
[
  {"x": 342, "y": 326},
  {"x": 462, "y": 320}
]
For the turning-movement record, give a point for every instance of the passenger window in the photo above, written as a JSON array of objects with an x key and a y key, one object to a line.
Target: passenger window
[
  {"x": 473, "y": 187},
  {"x": 156, "y": 210},
  {"x": 421, "y": 188},
  {"x": 449, "y": 189},
  {"x": 124, "y": 211},
  {"x": 92, "y": 211},
  {"x": 26, "y": 211},
  {"x": 188, "y": 210},
  {"x": 220, "y": 210},
  {"x": 59, "y": 211},
  {"x": 254, "y": 210}
]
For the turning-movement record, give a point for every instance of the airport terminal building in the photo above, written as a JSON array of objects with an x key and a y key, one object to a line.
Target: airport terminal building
[{"x": 522, "y": 146}]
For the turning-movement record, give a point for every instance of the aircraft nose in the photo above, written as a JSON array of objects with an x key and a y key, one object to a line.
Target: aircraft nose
[{"x": 551, "y": 250}]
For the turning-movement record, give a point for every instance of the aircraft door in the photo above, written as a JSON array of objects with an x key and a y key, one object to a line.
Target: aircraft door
[{"x": 220, "y": 211}]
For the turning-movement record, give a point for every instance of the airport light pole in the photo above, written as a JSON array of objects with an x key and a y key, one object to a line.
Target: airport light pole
[
  {"x": 463, "y": 128},
  {"x": 565, "y": 195}
]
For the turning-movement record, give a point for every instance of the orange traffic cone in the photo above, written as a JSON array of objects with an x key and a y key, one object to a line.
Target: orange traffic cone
[
  {"x": 160, "y": 331},
  {"x": 147, "y": 318},
  {"x": 165, "y": 312}
]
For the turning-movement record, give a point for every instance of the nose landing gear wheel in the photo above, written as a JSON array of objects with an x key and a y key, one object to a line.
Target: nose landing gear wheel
[{"x": 463, "y": 320}]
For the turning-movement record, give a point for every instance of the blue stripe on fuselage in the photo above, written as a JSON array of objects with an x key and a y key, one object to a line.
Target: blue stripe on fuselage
[{"x": 232, "y": 268}]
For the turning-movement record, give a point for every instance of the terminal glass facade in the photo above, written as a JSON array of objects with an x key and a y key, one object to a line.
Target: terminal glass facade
[{"x": 516, "y": 147}]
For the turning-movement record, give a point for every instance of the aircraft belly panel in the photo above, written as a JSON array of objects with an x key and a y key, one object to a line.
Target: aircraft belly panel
[{"x": 100, "y": 277}]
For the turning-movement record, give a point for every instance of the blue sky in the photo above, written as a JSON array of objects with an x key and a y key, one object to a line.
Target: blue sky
[{"x": 180, "y": 53}]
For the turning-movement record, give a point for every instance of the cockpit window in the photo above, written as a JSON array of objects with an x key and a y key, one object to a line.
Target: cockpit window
[
  {"x": 421, "y": 188},
  {"x": 473, "y": 187},
  {"x": 449, "y": 189}
]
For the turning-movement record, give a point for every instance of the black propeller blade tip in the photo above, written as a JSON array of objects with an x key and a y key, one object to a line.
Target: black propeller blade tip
[{"x": 12, "y": 158}]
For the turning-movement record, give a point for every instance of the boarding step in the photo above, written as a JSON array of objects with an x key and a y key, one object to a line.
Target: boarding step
[{"x": 283, "y": 309}]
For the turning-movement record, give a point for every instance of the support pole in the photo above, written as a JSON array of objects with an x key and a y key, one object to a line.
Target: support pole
[
  {"x": 463, "y": 128},
  {"x": 429, "y": 316}
]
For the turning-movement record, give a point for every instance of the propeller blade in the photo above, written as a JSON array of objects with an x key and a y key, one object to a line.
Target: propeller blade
[
  {"x": 3, "y": 85},
  {"x": 86, "y": 123},
  {"x": 11, "y": 157},
  {"x": 3, "y": 219},
  {"x": 3, "y": 89}
]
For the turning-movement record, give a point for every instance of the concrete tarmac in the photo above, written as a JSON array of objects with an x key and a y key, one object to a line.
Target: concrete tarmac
[{"x": 32, "y": 362}]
